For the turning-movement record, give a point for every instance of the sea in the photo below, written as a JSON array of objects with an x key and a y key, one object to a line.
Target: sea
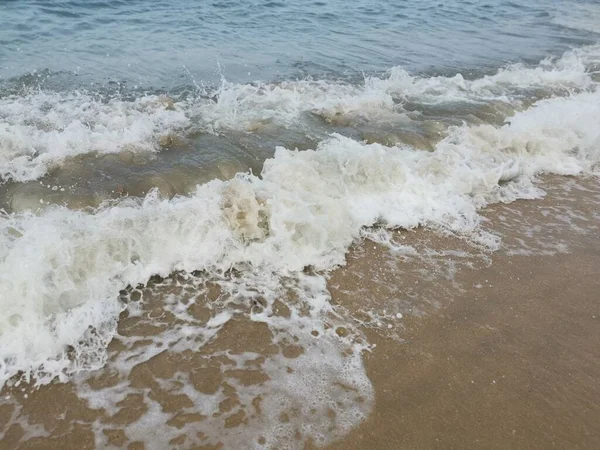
[{"x": 179, "y": 179}]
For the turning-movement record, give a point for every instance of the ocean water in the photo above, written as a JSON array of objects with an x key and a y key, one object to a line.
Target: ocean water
[
  {"x": 168, "y": 44},
  {"x": 150, "y": 151}
]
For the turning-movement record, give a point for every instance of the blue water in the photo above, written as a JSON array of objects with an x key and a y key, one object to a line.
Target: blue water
[{"x": 163, "y": 44}]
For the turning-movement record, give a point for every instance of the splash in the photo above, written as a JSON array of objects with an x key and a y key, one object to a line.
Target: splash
[{"x": 40, "y": 131}]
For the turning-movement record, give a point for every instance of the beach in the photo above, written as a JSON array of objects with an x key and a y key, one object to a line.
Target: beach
[
  {"x": 296, "y": 225},
  {"x": 498, "y": 352},
  {"x": 513, "y": 364}
]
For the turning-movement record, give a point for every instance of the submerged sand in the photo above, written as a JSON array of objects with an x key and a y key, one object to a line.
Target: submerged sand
[{"x": 468, "y": 349}]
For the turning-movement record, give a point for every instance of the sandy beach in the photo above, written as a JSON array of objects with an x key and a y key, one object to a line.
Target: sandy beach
[
  {"x": 512, "y": 364},
  {"x": 467, "y": 349},
  {"x": 265, "y": 225}
]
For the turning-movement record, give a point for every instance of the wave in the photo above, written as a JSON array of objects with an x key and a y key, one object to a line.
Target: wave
[
  {"x": 40, "y": 130},
  {"x": 241, "y": 106},
  {"x": 61, "y": 270}
]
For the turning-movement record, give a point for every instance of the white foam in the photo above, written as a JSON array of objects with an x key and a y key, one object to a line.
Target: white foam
[
  {"x": 61, "y": 270},
  {"x": 326, "y": 376},
  {"x": 242, "y": 106},
  {"x": 38, "y": 131},
  {"x": 570, "y": 72}
]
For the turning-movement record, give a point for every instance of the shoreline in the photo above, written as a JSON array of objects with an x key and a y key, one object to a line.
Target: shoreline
[
  {"x": 511, "y": 361},
  {"x": 513, "y": 367},
  {"x": 469, "y": 349}
]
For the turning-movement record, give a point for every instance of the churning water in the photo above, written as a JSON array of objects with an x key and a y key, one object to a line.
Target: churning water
[{"x": 248, "y": 144}]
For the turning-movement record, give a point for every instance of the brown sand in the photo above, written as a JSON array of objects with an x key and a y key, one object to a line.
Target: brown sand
[
  {"x": 511, "y": 360},
  {"x": 500, "y": 355},
  {"x": 514, "y": 365}
]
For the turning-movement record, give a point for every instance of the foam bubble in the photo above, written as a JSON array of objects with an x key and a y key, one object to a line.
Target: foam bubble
[
  {"x": 277, "y": 388},
  {"x": 39, "y": 130},
  {"x": 61, "y": 270}
]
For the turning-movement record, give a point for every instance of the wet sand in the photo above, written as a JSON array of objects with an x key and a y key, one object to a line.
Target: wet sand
[
  {"x": 515, "y": 364},
  {"x": 469, "y": 349}
]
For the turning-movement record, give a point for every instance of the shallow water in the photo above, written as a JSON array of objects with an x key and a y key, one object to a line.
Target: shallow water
[
  {"x": 164, "y": 44},
  {"x": 179, "y": 178}
]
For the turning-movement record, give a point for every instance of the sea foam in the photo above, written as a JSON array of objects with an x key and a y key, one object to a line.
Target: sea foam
[
  {"x": 40, "y": 130},
  {"x": 61, "y": 270}
]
